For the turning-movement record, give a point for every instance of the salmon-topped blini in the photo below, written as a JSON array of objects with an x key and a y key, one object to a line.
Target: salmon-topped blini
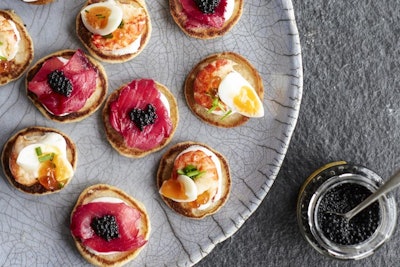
[
  {"x": 109, "y": 226},
  {"x": 140, "y": 117},
  {"x": 67, "y": 86},
  {"x": 206, "y": 19}
]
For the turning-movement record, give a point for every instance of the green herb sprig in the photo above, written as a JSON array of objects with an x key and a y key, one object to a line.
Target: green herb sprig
[
  {"x": 191, "y": 171},
  {"x": 216, "y": 103}
]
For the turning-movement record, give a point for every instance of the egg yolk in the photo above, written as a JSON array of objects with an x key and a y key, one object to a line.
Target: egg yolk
[
  {"x": 246, "y": 100},
  {"x": 98, "y": 16},
  {"x": 201, "y": 200},
  {"x": 172, "y": 188},
  {"x": 49, "y": 171}
]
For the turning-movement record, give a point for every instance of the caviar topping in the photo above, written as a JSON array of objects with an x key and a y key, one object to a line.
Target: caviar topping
[
  {"x": 341, "y": 199},
  {"x": 143, "y": 117},
  {"x": 59, "y": 83},
  {"x": 207, "y": 6},
  {"x": 105, "y": 227}
]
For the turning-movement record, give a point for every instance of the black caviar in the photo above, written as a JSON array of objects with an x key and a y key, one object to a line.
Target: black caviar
[
  {"x": 59, "y": 83},
  {"x": 143, "y": 117},
  {"x": 106, "y": 227},
  {"x": 207, "y": 6},
  {"x": 341, "y": 199}
]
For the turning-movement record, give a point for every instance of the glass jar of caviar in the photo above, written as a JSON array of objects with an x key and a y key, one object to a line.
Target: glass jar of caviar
[{"x": 337, "y": 188}]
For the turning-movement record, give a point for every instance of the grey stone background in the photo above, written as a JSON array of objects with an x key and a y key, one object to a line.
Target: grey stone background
[{"x": 350, "y": 111}]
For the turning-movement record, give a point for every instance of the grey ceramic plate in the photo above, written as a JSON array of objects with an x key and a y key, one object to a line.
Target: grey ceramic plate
[{"x": 36, "y": 229}]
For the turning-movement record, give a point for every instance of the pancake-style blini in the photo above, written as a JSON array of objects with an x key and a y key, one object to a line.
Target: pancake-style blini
[
  {"x": 109, "y": 227},
  {"x": 39, "y": 160},
  {"x": 140, "y": 117},
  {"x": 225, "y": 90},
  {"x": 205, "y": 19},
  {"x": 114, "y": 31},
  {"x": 194, "y": 179},
  {"x": 67, "y": 86},
  {"x": 16, "y": 47}
]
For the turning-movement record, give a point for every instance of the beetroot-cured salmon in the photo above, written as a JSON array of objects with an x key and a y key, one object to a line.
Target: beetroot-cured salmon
[
  {"x": 126, "y": 233},
  {"x": 141, "y": 96},
  {"x": 78, "y": 72},
  {"x": 196, "y": 18}
]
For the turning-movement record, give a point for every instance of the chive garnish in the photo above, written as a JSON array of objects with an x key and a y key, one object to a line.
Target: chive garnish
[
  {"x": 3, "y": 58},
  {"x": 38, "y": 151},
  {"x": 100, "y": 16},
  {"x": 214, "y": 105},
  {"x": 226, "y": 114},
  {"x": 121, "y": 25},
  {"x": 46, "y": 157},
  {"x": 191, "y": 171}
]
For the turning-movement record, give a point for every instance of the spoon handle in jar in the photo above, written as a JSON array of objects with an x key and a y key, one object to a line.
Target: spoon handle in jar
[{"x": 389, "y": 185}]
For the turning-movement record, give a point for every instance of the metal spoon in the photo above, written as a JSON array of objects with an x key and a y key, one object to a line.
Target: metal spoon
[{"x": 389, "y": 185}]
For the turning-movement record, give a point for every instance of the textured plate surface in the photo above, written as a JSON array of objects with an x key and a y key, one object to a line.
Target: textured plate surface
[{"x": 36, "y": 229}]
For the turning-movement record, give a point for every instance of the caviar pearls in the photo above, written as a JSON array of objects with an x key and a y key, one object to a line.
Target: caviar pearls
[
  {"x": 341, "y": 199},
  {"x": 143, "y": 117},
  {"x": 59, "y": 83}
]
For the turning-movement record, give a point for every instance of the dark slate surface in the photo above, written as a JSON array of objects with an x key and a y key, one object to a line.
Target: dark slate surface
[{"x": 350, "y": 111}]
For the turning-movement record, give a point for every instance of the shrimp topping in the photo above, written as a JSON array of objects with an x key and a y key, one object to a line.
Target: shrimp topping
[
  {"x": 131, "y": 28},
  {"x": 206, "y": 85},
  {"x": 196, "y": 171}
]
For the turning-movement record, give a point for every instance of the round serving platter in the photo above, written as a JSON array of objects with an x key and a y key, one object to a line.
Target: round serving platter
[{"x": 36, "y": 229}]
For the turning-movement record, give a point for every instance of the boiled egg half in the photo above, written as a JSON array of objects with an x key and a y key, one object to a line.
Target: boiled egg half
[
  {"x": 46, "y": 154},
  {"x": 9, "y": 39},
  {"x": 181, "y": 189},
  {"x": 238, "y": 94},
  {"x": 102, "y": 18}
]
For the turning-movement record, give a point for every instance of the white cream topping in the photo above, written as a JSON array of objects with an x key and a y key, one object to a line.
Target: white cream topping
[
  {"x": 165, "y": 102},
  {"x": 230, "y": 6},
  {"x": 130, "y": 49},
  {"x": 107, "y": 200}
]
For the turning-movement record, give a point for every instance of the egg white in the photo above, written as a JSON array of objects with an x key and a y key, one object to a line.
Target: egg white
[
  {"x": 114, "y": 20},
  {"x": 230, "y": 87},
  {"x": 190, "y": 189},
  {"x": 9, "y": 39},
  {"x": 49, "y": 143}
]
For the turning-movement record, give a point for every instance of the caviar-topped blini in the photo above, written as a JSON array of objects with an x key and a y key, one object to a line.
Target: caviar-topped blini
[
  {"x": 39, "y": 160},
  {"x": 16, "y": 47},
  {"x": 140, "y": 117},
  {"x": 206, "y": 19},
  {"x": 225, "y": 90},
  {"x": 194, "y": 179},
  {"x": 67, "y": 86},
  {"x": 114, "y": 31},
  {"x": 109, "y": 226}
]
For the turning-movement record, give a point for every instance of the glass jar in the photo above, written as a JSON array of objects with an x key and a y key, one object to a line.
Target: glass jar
[{"x": 325, "y": 182}]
